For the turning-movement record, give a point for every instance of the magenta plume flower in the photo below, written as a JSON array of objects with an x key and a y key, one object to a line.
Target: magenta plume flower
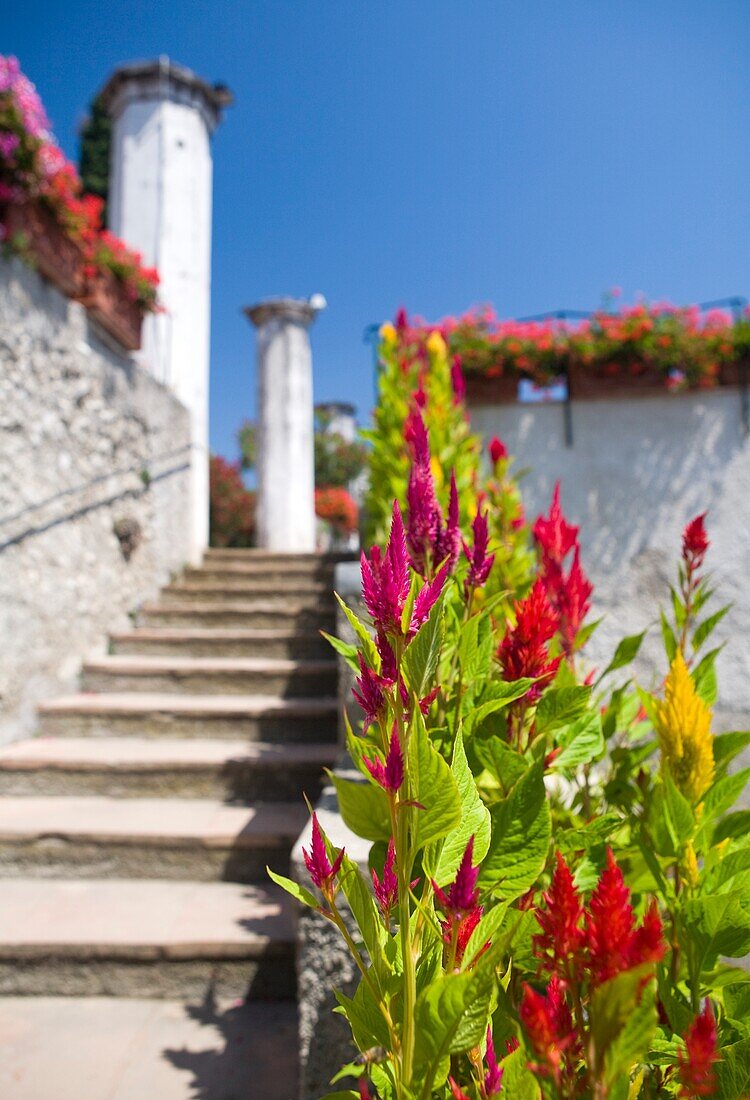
[
  {"x": 370, "y": 693},
  {"x": 463, "y": 893},
  {"x": 386, "y": 889},
  {"x": 431, "y": 539},
  {"x": 385, "y": 579},
  {"x": 319, "y": 867},
  {"x": 493, "y": 1078},
  {"x": 480, "y": 562},
  {"x": 390, "y": 775}
]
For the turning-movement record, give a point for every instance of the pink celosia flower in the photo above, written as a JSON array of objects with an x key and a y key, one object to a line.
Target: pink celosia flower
[
  {"x": 386, "y": 889},
  {"x": 456, "y": 1091},
  {"x": 480, "y": 562},
  {"x": 493, "y": 1078},
  {"x": 390, "y": 775},
  {"x": 696, "y": 1063},
  {"x": 431, "y": 539},
  {"x": 385, "y": 579},
  {"x": 457, "y": 380},
  {"x": 370, "y": 693},
  {"x": 320, "y": 869}
]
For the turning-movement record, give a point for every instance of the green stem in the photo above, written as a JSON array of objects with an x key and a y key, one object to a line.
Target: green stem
[{"x": 338, "y": 920}]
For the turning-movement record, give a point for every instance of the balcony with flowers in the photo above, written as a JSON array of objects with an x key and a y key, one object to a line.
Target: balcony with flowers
[{"x": 48, "y": 219}]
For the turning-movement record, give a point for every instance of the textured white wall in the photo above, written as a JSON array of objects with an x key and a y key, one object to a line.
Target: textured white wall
[
  {"x": 637, "y": 470},
  {"x": 161, "y": 205},
  {"x": 79, "y": 425}
]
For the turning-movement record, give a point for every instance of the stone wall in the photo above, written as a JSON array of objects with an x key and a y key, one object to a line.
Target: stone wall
[
  {"x": 88, "y": 441},
  {"x": 638, "y": 468}
]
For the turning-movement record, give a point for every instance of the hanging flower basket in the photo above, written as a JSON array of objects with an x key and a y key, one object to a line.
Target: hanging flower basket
[
  {"x": 626, "y": 378},
  {"x": 107, "y": 300},
  {"x": 490, "y": 389},
  {"x": 54, "y": 253}
]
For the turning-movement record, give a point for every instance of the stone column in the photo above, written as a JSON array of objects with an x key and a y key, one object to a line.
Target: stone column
[
  {"x": 163, "y": 116},
  {"x": 285, "y": 464}
]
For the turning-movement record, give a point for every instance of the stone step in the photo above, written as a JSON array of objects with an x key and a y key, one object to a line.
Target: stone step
[
  {"x": 132, "y": 1048},
  {"x": 228, "y": 717},
  {"x": 278, "y": 595},
  {"x": 211, "y": 675},
  {"x": 136, "y": 767},
  {"x": 220, "y": 642},
  {"x": 258, "y": 614},
  {"x": 200, "y": 839},
  {"x": 145, "y": 938},
  {"x": 260, "y": 580}
]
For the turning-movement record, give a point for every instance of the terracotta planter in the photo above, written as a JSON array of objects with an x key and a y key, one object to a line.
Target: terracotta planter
[
  {"x": 481, "y": 389},
  {"x": 56, "y": 256},
  {"x": 618, "y": 380},
  {"x": 105, "y": 298}
]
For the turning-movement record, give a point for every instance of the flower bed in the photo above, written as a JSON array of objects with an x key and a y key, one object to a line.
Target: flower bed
[
  {"x": 46, "y": 217},
  {"x": 335, "y": 506},
  {"x": 643, "y": 347},
  {"x": 558, "y": 878}
]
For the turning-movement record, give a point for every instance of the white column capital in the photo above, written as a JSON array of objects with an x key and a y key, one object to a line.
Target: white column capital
[{"x": 297, "y": 310}]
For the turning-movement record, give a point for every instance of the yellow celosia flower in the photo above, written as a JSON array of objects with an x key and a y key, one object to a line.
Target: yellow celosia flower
[
  {"x": 683, "y": 723},
  {"x": 436, "y": 343},
  {"x": 690, "y": 871},
  {"x": 388, "y": 334}
]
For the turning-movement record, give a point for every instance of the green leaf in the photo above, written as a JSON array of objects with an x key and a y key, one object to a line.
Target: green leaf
[
  {"x": 363, "y": 807},
  {"x": 561, "y": 706},
  {"x": 293, "y": 888},
  {"x": 501, "y": 695},
  {"x": 733, "y": 825},
  {"x": 486, "y": 931},
  {"x": 504, "y": 764},
  {"x": 519, "y": 1083},
  {"x": 423, "y": 652},
  {"x": 704, "y": 629},
  {"x": 718, "y": 924},
  {"x": 368, "y": 1025},
  {"x": 733, "y": 1071},
  {"x": 724, "y": 793},
  {"x": 368, "y": 646},
  {"x": 670, "y": 642},
  {"x": 582, "y": 741},
  {"x": 728, "y": 745},
  {"x": 736, "y": 999},
  {"x": 433, "y": 787},
  {"x": 475, "y": 820},
  {"x": 623, "y": 1019},
  {"x": 521, "y": 831},
  {"x": 346, "y": 649},
  {"x": 704, "y": 677},
  {"x": 680, "y": 816},
  {"x": 475, "y": 648},
  {"x": 626, "y": 652},
  {"x": 362, "y": 904},
  {"x": 450, "y": 1017}
]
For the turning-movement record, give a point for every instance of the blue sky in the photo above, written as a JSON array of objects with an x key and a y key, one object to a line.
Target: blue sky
[{"x": 437, "y": 154}]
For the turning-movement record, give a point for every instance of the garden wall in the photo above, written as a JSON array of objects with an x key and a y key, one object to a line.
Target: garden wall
[
  {"x": 89, "y": 442},
  {"x": 637, "y": 469}
]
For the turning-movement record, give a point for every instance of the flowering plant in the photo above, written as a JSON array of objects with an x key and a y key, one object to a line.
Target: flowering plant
[
  {"x": 557, "y": 873},
  {"x": 686, "y": 346},
  {"x": 33, "y": 168},
  {"x": 232, "y": 506},
  {"x": 338, "y": 508}
]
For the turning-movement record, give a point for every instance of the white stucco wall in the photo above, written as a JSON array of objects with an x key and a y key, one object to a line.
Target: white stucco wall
[
  {"x": 161, "y": 196},
  {"x": 638, "y": 469},
  {"x": 81, "y": 427}
]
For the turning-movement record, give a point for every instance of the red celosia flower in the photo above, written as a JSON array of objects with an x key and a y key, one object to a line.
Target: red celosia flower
[
  {"x": 614, "y": 943},
  {"x": 571, "y": 599},
  {"x": 480, "y": 562},
  {"x": 456, "y": 1091},
  {"x": 386, "y": 889},
  {"x": 695, "y": 543},
  {"x": 697, "y": 1075},
  {"x": 497, "y": 450},
  {"x": 562, "y": 937},
  {"x": 547, "y": 1020},
  {"x": 364, "y": 1089},
  {"x": 523, "y": 651},
  {"x": 370, "y": 693},
  {"x": 317, "y": 862},
  {"x": 390, "y": 775},
  {"x": 493, "y": 1078},
  {"x": 556, "y": 537}
]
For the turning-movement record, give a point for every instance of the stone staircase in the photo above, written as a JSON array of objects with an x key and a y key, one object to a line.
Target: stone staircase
[{"x": 136, "y": 828}]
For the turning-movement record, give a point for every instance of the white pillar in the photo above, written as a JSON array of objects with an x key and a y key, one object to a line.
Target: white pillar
[
  {"x": 341, "y": 418},
  {"x": 163, "y": 116},
  {"x": 285, "y": 466}
]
